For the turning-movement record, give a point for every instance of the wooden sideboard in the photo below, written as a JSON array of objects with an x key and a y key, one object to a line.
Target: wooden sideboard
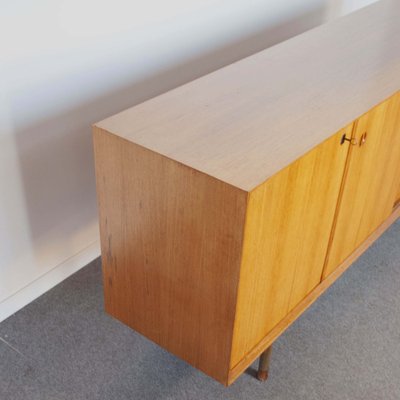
[{"x": 228, "y": 205}]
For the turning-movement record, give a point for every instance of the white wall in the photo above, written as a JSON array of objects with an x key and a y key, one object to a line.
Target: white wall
[{"x": 67, "y": 64}]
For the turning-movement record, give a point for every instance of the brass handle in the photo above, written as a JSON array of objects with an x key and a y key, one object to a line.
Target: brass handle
[
  {"x": 353, "y": 141},
  {"x": 363, "y": 139}
]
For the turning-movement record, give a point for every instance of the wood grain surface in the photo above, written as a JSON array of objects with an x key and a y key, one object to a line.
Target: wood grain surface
[
  {"x": 266, "y": 341},
  {"x": 228, "y": 205},
  {"x": 245, "y": 122},
  {"x": 397, "y": 202},
  {"x": 288, "y": 225},
  {"x": 371, "y": 183},
  {"x": 171, "y": 242}
]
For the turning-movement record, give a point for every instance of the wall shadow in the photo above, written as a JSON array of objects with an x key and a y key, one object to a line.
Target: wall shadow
[{"x": 55, "y": 155}]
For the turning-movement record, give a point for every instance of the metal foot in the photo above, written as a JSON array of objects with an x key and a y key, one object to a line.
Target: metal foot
[{"x": 263, "y": 366}]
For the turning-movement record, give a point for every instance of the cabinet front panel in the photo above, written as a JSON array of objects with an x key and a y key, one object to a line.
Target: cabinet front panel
[
  {"x": 288, "y": 225},
  {"x": 372, "y": 180}
]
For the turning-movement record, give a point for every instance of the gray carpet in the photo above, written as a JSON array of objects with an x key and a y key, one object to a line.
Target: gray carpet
[{"x": 347, "y": 346}]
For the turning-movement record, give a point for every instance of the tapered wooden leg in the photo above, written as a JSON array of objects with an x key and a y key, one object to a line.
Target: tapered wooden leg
[{"x": 263, "y": 366}]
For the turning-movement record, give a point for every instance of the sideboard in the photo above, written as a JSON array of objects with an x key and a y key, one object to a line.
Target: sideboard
[{"x": 228, "y": 205}]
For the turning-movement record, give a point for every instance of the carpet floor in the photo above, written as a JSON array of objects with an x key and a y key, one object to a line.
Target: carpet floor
[{"x": 346, "y": 346}]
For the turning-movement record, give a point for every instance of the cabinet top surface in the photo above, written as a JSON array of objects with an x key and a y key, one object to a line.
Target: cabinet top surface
[{"x": 245, "y": 122}]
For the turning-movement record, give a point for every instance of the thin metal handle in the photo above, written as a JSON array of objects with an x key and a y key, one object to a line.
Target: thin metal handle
[{"x": 352, "y": 141}]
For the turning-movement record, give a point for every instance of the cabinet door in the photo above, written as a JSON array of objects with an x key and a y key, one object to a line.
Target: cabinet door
[
  {"x": 288, "y": 226},
  {"x": 372, "y": 179}
]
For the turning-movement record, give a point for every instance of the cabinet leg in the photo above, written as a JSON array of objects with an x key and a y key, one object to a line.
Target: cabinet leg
[{"x": 263, "y": 366}]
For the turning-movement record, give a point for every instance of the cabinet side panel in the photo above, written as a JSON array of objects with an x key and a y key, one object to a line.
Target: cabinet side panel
[
  {"x": 171, "y": 241},
  {"x": 287, "y": 233}
]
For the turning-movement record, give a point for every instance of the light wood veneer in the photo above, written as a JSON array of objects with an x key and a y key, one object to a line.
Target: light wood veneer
[
  {"x": 247, "y": 121},
  {"x": 371, "y": 183},
  {"x": 285, "y": 215},
  {"x": 171, "y": 241},
  {"x": 228, "y": 205}
]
